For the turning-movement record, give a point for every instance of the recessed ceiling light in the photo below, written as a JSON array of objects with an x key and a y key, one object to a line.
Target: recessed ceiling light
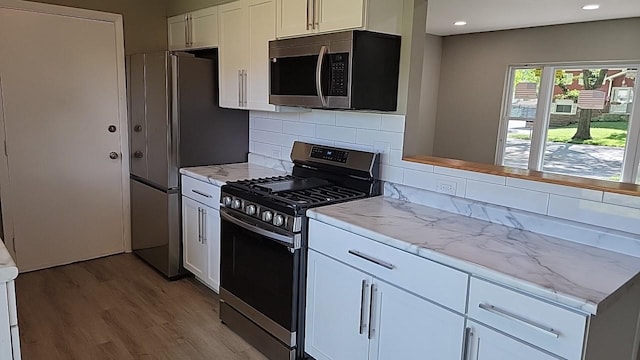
[
  {"x": 591, "y": 7},
  {"x": 460, "y": 23}
]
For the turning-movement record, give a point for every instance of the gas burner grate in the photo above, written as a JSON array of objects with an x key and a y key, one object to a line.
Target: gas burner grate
[{"x": 324, "y": 195}]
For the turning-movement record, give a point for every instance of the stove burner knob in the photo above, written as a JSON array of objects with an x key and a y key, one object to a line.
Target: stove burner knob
[
  {"x": 226, "y": 201},
  {"x": 267, "y": 216},
  {"x": 278, "y": 220},
  {"x": 236, "y": 204},
  {"x": 250, "y": 210}
]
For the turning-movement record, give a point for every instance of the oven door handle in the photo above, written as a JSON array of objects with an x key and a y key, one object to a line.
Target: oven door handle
[
  {"x": 323, "y": 52},
  {"x": 292, "y": 241}
]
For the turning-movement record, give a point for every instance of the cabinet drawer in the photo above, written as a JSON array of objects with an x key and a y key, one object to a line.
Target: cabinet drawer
[
  {"x": 543, "y": 324},
  {"x": 423, "y": 277},
  {"x": 201, "y": 191}
]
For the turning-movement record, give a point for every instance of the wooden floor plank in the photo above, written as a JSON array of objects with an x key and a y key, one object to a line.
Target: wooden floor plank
[{"x": 119, "y": 308}]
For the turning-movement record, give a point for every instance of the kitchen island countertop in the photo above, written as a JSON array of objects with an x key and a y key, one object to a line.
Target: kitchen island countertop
[
  {"x": 573, "y": 274},
  {"x": 218, "y": 175}
]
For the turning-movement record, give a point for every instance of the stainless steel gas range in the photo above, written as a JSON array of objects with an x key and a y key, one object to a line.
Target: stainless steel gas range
[{"x": 264, "y": 242}]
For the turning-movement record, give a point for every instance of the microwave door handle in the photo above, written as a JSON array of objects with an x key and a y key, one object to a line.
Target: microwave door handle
[{"x": 323, "y": 52}]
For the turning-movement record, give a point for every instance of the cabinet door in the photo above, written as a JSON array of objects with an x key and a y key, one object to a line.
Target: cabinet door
[
  {"x": 232, "y": 52},
  {"x": 487, "y": 344},
  {"x": 212, "y": 241},
  {"x": 194, "y": 251},
  {"x": 337, "y": 301},
  {"x": 204, "y": 28},
  {"x": 262, "y": 29},
  {"x": 337, "y": 15},
  {"x": 294, "y": 17},
  {"x": 406, "y": 326},
  {"x": 177, "y": 28}
]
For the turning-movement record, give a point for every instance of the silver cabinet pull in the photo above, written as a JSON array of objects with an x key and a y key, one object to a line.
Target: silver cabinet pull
[
  {"x": 240, "y": 88},
  {"x": 372, "y": 259},
  {"x": 186, "y": 30},
  {"x": 200, "y": 225},
  {"x": 309, "y": 15},
  {"x": 190, "y": 18},
  {"x": 372, "y": 310},
  {"x": 243, "y": 82},
  {"x": 465, "y": 343},
  {"x": 519, "y": 319},
  {"x": 204, "y": 226},
  {"x": 202, "y": 194},
  {"x": 316, "y": 14},
  {"x": 363, "y": 296}
]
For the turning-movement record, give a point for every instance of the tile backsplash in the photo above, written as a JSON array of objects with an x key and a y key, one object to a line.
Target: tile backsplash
[{"x": 590, "y": 216}]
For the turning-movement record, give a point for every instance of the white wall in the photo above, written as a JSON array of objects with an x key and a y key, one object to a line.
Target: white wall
[{"x": 272, "y": 135}]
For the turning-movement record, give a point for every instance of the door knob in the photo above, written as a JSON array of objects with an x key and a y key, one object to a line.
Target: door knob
[
  {"x": 113, "y": 155},
  {"x": 137, "y": 128},
  {"x": 138, "y": 154},
  {"x": 112, "y": 128}
]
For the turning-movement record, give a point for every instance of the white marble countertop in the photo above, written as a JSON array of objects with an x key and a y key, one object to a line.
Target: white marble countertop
[
  {"x": 8, "y": 268},
  {"x": 219, "y": 174},
  {"x": 573, "y": 274}
]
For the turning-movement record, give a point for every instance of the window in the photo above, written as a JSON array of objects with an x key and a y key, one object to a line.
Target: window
[
  {"x": 522, "y": 111},
  {"x": 575, "y": 120}
]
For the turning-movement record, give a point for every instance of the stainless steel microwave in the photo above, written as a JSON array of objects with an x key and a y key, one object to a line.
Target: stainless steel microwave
[{"x": 355, "y": 70}]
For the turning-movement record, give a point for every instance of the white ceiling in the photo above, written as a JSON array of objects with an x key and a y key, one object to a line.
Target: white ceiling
[{"x": 489, "y": 15}]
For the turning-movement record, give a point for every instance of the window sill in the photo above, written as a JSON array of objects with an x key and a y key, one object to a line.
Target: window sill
[{"x": 566, "y": 180}]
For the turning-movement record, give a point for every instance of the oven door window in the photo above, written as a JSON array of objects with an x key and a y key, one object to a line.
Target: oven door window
[{"x": 261, "y": 272}]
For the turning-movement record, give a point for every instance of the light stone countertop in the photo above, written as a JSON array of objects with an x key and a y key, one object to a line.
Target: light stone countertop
[
  {"x": 576, "y": 275},
  {"x": 8, "y": 268},
  {"x": 218, "y": 175}
]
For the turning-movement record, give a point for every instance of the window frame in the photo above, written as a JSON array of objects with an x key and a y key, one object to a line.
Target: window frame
[{"x": 631, "y": 158}]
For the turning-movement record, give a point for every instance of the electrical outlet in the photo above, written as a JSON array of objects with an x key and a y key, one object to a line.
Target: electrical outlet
[{"x": 446, "y": 187}]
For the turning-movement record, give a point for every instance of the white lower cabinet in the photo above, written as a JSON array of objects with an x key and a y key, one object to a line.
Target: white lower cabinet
[
  {"x": 337, "y": 308},
  {"x": 353, "y": 315},
  {"x": 411, "y": 327},
  {"x": 201, "y": 234},
  {"x": 488, "y": 344}
]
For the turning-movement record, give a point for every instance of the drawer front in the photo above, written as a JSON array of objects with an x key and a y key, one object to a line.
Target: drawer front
[
  {"x": 426, "y": 278},
  {"x": 201, "y": 192},
  {"x": 550, "y": 327}
]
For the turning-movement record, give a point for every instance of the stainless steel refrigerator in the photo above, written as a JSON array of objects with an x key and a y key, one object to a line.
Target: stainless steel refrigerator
[{"x": 175, "y": 122}]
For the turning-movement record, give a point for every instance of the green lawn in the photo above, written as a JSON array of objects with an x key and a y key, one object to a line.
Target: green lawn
[{"x": 604, "y": 133}]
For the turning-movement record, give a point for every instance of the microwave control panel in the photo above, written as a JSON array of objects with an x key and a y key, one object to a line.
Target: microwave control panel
[{"x": 339, "y": 74}]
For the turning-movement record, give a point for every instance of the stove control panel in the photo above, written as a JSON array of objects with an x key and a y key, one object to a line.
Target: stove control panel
[
  {"x": 261, "y": 213},
  {"x": 319, "y": 152}
]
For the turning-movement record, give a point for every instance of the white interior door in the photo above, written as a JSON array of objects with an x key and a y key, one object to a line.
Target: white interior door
[{"x": 61, "y": 89}]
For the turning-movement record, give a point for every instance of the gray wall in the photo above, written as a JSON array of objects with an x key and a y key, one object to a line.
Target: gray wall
[
  {"x": 145, "y": 23},
  {"x": 419, "y": 135},
  {"x": 474, "y": 68}
]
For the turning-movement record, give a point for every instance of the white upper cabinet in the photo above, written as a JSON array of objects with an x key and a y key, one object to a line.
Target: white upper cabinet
[
  {"x": 246, "y": 27},
  {"x": 299, "y": 17},
  {"x": 194, "y": 30}
]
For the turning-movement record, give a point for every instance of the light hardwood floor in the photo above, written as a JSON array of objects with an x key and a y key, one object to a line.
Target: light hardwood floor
[{"x": 119, "y": 308}]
